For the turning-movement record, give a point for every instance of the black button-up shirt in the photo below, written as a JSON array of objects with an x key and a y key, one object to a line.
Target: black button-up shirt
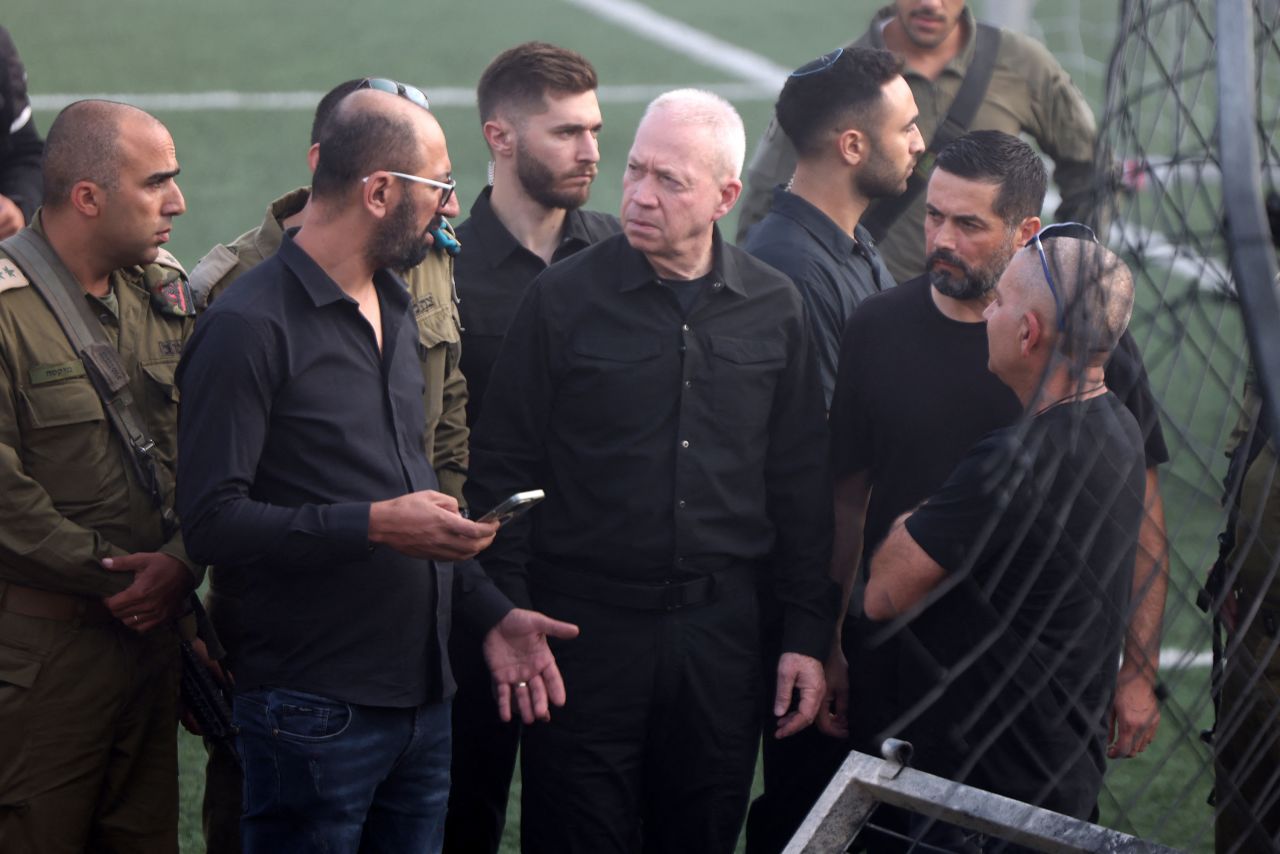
[
  {"x": 833, "y": 271},
  {"x": 664, "y": 442},
  {"x": 292, "y": 423},
  {"x": 492, "y": 272}
]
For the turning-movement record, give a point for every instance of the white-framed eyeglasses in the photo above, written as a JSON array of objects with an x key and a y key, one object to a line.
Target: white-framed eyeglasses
[{"x": 447, "y": 186}]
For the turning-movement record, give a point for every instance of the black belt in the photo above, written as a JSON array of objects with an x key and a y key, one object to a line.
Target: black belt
[{"x": 681, "y": 591}]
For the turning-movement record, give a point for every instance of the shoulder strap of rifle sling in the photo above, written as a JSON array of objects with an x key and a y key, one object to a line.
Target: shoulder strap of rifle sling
[
  {"x": 973, "y": 89},
  {"x": 65, "y": 298}
]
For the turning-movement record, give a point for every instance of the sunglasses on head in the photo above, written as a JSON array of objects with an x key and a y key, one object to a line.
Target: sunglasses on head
[
  {"x": 1079, "y": 231},
  {"x": 392, "y": 87}
]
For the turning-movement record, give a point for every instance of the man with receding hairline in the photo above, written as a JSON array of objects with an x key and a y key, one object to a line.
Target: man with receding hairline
[
  {"x": 305, "y": 472},
  {"x": 93, "y": 571},
  {"x": 660, "y": 387},
  {"x": 430, "y": 286},
  {"x": 1033, "y": 537}
]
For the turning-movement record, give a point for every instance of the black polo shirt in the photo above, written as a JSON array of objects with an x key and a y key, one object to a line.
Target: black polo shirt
[
  {"x": 665, "y": 442},
  {"x": 292, "y": 423},
  {"x": 833, "y": 271},
  {"x": 492, "y": 272}
]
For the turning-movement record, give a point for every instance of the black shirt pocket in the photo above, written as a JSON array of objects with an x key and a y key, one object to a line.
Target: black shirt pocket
[
  {"x": 617, "y": 379},
  {"x": 744, "y": 374}
]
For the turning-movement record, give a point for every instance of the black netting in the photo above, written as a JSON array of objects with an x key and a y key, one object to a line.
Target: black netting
[{"x": 1163, "y": 210}]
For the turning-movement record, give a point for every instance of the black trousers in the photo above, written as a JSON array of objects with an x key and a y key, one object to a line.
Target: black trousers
[
  {"x": 796, "y": 771},
  {"x": 484, "y": 753},
  {"x": 655, "y": 749}
]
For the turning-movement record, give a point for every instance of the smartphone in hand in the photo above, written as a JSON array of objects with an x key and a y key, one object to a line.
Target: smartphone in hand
[{"x": 513, "y": 507}]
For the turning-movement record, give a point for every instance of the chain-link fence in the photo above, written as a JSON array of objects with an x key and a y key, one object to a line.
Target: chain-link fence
[{"x": 995, "y": 676}]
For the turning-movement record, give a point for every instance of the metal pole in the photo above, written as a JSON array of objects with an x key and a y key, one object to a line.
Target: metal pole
[{"x": 1253, "y": 258}]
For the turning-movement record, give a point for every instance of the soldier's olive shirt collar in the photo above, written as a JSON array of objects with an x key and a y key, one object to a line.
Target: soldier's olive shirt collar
[
  {"x": 497, "y": 243},
  {"x": 634, "y": 269},
  {"x": 272, "y": 231},
  {"x": 958, "y": 65}
]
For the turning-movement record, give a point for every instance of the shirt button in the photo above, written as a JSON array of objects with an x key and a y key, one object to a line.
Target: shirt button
[
  {"x": 685, "y": 443},
  {"x": 680, "y": 504},
  {"x": 685, "y": 327},
  {"x": 715, "y": 286},
  {"x": 688, "y": 384}
]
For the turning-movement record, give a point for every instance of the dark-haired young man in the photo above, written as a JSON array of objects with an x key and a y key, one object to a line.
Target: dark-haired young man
[
  {"x": 852, "y": 120},
  {"x": 540, "y": 118},
  {"x": 304, "y": 472},
  {"x": 1028, "y": 93},
  {"x": 900, "y": 427}
]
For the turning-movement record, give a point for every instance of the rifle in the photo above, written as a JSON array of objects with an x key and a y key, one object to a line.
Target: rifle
[{"x": 208, "y": 700}]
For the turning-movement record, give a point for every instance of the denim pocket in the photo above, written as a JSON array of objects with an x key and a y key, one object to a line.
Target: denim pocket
[{"x": 306, "y": 717}]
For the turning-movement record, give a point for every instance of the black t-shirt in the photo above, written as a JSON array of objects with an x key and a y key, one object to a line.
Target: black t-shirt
[
  {"x": 1037, "y": 529},
  {"x": 914, "y": 394}
]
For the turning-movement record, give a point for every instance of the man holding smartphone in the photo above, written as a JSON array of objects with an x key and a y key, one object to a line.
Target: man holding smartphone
[{"x": 304, "y": 471}]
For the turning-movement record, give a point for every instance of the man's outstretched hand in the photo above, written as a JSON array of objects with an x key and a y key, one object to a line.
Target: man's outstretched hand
[{"x": 522, "y": 665}]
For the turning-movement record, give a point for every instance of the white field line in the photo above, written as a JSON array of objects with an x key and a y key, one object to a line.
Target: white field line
[
  {"x": 1184, "y": 659},
  {"x": 761, "y": 80},
  {"x": 695, "y": 44},
  {"x": 305, "y": 100}
]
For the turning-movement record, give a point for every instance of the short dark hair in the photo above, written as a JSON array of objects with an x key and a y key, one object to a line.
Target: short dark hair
[
  {"x": 995, "y": 157},
  {"x": 520, "y": 77},
  {"x": 839, "y": 90},
  {"x": 358, "y": 139},
  {"x": 327, "y": 104},
  {"x": 83, "y": 144}
]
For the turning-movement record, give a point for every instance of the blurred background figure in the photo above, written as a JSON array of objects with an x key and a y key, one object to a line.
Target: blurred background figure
[{"x": 20, "y": 143}]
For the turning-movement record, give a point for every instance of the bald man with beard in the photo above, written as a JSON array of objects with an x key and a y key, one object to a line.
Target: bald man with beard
[{"x": 305, "y": 472}]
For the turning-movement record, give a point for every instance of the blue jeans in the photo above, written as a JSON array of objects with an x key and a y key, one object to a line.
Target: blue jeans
[{"x": 323, "y": 775}]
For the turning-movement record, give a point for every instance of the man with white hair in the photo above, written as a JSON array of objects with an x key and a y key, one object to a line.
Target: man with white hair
[
  {"x": 1033, "y": 537},
  {"x": 660, "y": 387}
]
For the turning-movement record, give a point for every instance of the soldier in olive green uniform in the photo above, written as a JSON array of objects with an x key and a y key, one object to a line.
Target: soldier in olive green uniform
[
  {"x": 1247, "y": 736},
  {"x": 430, "y": 286},
  {"x": 1029, "y": 93},
  {"x": 88, "y": 657}
]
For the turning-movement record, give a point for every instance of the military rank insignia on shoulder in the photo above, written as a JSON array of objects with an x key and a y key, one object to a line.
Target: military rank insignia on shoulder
[
  {"x": 166, "y": 281},
  {"x": 10, "y": 276}
]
